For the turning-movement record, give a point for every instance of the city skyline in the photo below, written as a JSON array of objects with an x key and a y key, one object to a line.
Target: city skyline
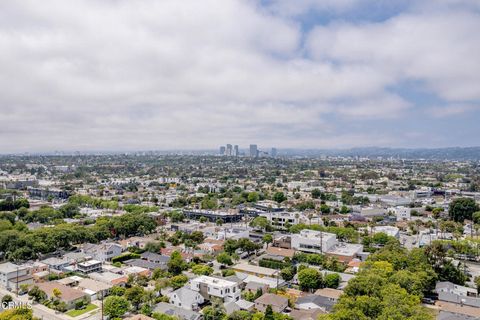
[{"x": 146, "y": 75}]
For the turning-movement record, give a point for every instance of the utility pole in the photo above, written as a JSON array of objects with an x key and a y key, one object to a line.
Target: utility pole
[
  {"x": 321, "y": 241},
  {"x": 17, "y": 281},
  {"x": 102, "y": 306}
]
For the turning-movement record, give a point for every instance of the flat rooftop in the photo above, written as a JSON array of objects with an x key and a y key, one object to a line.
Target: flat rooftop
[{"x": 215, "y": 281}]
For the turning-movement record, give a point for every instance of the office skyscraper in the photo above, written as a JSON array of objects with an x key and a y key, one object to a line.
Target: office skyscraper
[
  {"x": 253, "y": 151},
  {"x": 229, "y": 150},
  {"x": 235, "y": 150},
  {"x": 274, "y": 152},
  {"x": 222, "y": 150}
]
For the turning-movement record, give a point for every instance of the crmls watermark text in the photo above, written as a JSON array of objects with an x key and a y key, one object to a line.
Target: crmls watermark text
[{"x": 13, "y": 305}]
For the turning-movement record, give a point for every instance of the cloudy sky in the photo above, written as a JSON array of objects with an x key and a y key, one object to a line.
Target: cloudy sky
[{"x": 170, "y": 74}]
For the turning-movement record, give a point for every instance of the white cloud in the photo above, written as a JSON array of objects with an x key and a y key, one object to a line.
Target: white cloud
[
  {"x": 119, "y": 74},
  {"x": 452, "y": 110},
  {"x": 440, "y": 49}
]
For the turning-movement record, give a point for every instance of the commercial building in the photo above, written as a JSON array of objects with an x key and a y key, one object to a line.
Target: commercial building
[
  {"x": 273, "y": 153},
  {"x": 235, "y": 151},
  {"x": 450, "y": 292},
  {"x": 229, "y": 150},
  {"x": 253, "y": 151},
  {"x": 281, "y": 218},
  {"x": 401, "y": 213},
  {"x": 222, "y": 150},
  {"x": 12, "y": 276}
]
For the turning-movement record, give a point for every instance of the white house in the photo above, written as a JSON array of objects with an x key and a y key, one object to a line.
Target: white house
[
  {"x": 313, "y": 241},
  {"x": 186, "y": 298},
  {"x": 220, "y": 288},
  {"x": 103, "y": 252},
  {"x": 388, "y": 230}
]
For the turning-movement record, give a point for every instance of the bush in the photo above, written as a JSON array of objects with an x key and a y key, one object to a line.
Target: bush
[
  {"x": 273, "y": 264},
  {"x": 125, "y": 257}
]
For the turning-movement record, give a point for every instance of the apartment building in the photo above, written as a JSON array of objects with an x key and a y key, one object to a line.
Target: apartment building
[
  {"x": 89, "y": 266},
  {"x": 220, "y": 288},
  {"x": 281, "y": 218},
  {"x": 12, "y": 276}
]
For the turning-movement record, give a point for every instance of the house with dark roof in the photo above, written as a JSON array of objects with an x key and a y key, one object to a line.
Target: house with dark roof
[
  {"x": 145, "y": 264},
  {"x": 175, "y": 311},
  {"x": 155, "y": 258},
  {"x": 278, "y": 303},
  {"x": 314, "y": 301}
]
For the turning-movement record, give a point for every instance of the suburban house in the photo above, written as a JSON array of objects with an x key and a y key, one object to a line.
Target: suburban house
[
  {"x": 110, "y": 278},
  {"x": 155, "y": 258},
  {"x": 94, "y": 288},
  {"x": 57, "y": 264},
  {"x": 220, "y": 288},
  {"x": 186, "y": 298},
  {"x": 171, "y": 310},
  {"x": 310, "y": 314},
  {"x": 12, "y": 276},
  {"x": 255, "y": 270},
  {"x": 68, "y": 295},
  {"x": 102, "y": 252},
  {"x": 278, "y": 303}
]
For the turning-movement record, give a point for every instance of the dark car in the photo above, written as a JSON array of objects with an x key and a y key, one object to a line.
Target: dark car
[{"x": 428, "y": 301}]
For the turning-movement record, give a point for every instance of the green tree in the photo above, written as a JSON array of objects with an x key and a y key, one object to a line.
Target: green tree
[
  {"x": 135, "y": 295},
  {"x": 202, "y": 270},
  {"x": 225, "y": 259},
  {"x": 260, "y": 223},
  {"x": 309, "y": 279},
  {"x": 462, "y": 208},
  {"x": 115, "y": 306},
  {"x": 288, "y": 273},
  {"x": 476, "y": 217},
  {"x": 332, "y": 280},
  {"x": 279, "y": 197},
  {"x": 17, "y": 314},
  {"x": 477, "y": 283},
  {"x": 316, "y": 193},
  {"x": 7, "y": 298},
  {"x": 267, "y": 238},
  {"x": 176, "y": 264},
  {"x": 215, "y": 311},
  {"x": 37, "y": 294},
  {"x": 178, "y": 281},
  {"x": 252, "y": 197},
  {"x": 268, "y": 313}
]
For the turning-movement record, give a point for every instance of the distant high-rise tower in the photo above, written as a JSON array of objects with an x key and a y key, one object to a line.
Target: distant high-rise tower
[
  {"x": 274, "y": 152},
  {"x": 222, "y": 150},
  {"x": 235, "y": 150},
  {"x": 253, "y": 151},
  {"x": 229, "y": 150}
]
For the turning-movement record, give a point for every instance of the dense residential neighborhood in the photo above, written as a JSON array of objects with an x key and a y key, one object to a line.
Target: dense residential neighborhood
[{"x": 240, "y": 237}]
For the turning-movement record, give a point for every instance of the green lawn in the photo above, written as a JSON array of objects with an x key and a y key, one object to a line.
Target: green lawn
[{"x": 76, "y": 313}]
